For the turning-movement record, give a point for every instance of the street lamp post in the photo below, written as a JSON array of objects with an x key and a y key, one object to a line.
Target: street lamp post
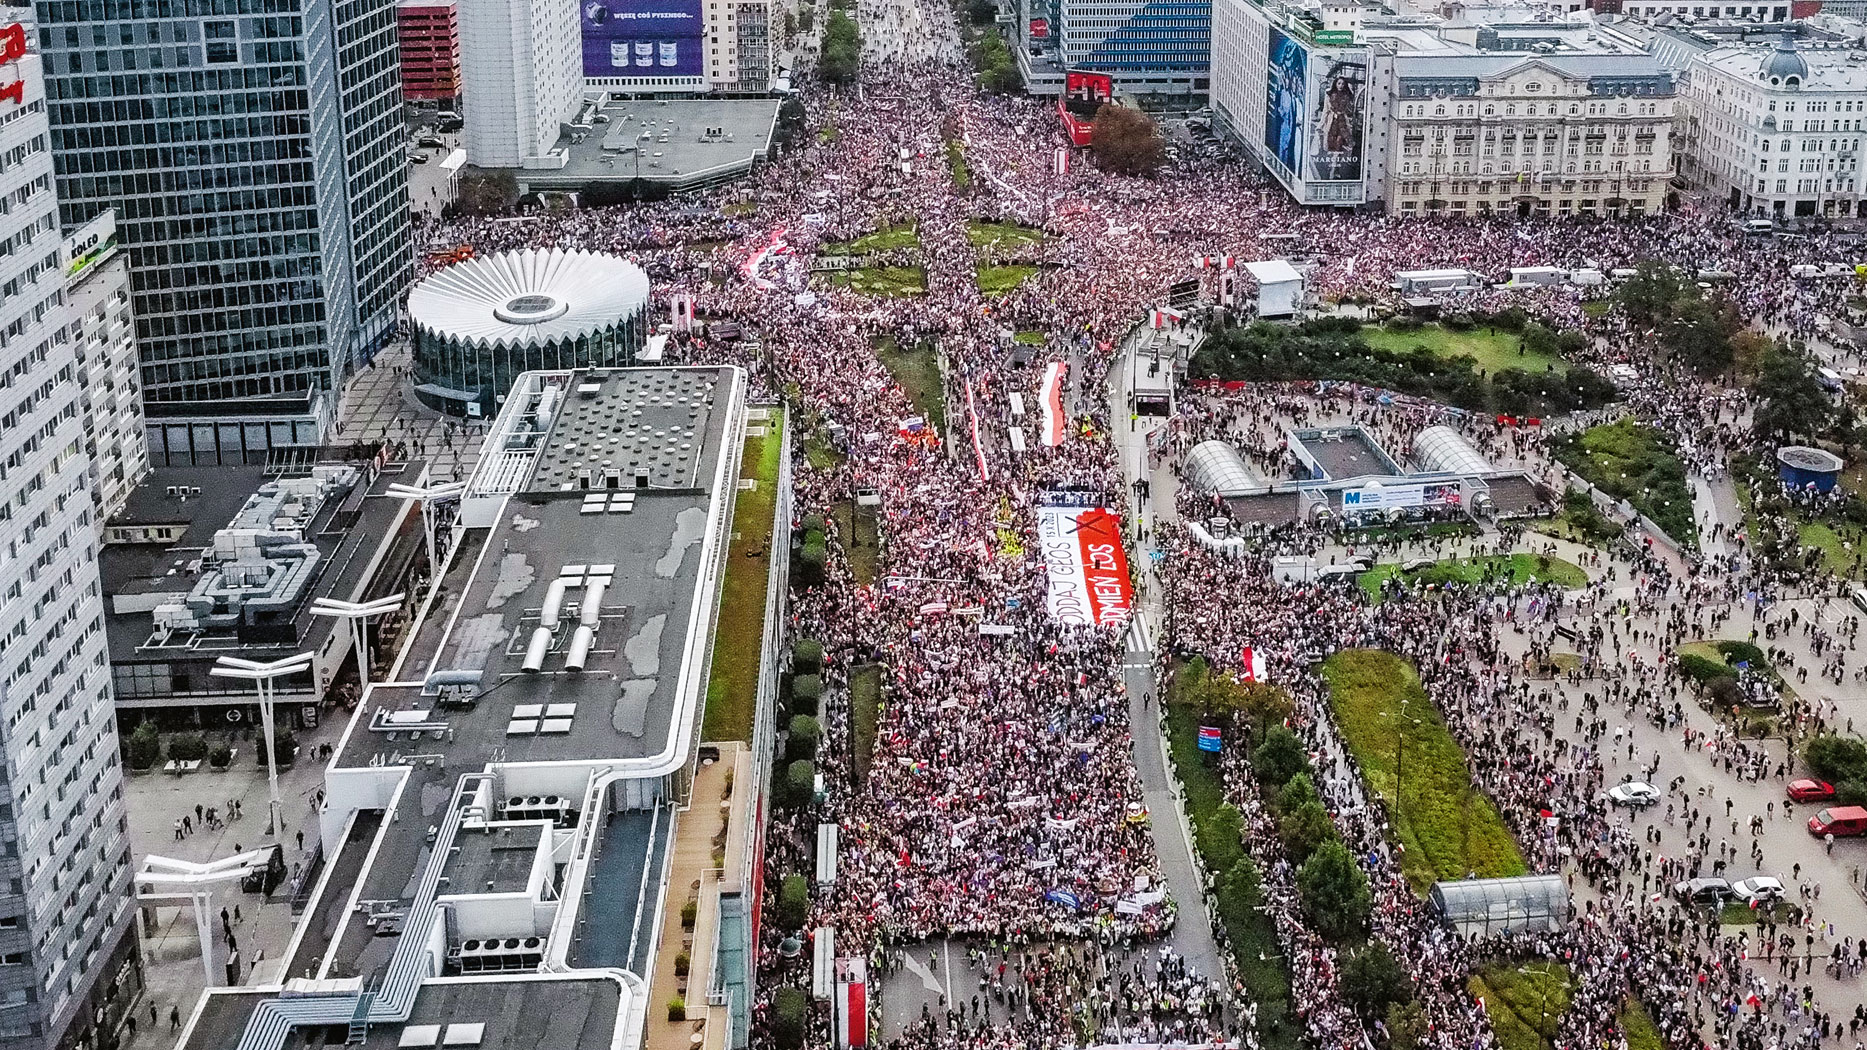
[
  {"x": 358, "y": 613},
  {"x": 431, "y": 496},
  {"x": 264, "y": 675}
]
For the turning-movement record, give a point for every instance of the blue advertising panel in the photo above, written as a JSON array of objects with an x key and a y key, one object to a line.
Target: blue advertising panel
[
  {"x": 642, "y": 38},
  {"x": 1286, "y": 95}
]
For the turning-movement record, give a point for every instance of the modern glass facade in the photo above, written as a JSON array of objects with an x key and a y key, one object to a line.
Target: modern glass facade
[
  {"x": 255, "y": 155},
  {"x": 451, "y": 373},
  {"x": 1129, "y": 37}
]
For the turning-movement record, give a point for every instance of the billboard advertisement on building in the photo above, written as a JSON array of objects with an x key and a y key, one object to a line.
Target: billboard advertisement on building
[
  {"x": 1286, "y": 99},
  {"x": 642, "y": 38},
  {"x": 1338, "y": 102}
]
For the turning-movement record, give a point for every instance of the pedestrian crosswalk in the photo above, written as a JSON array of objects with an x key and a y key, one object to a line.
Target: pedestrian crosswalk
[{"x": 1140, "y": 634}]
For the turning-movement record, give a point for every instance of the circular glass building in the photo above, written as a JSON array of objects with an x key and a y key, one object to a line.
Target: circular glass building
[{"x": 479, "y": 323}]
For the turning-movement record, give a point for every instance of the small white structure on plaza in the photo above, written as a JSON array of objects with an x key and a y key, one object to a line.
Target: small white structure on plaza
[
  {"x": 1280, "y": 287},
  {"x": 1216, "y": 467}
]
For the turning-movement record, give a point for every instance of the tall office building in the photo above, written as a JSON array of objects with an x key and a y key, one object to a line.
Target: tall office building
[
  {"x": 520, "y": 70},
  {"x": 430, "y": 39},
  {"x": 97, "y": 288},
  {"x": 254, "y": 152},
  {"x": 67, "y": 953}
]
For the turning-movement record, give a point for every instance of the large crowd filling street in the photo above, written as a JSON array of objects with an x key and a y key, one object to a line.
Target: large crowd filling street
[{"x": 1000, "y": 811}]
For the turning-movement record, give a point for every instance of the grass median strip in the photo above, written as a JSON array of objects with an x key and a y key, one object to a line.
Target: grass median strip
[
  {"x": 1253, "y": 939},
  {"x": 1447, "y": 828},
  {"x": 732, "y": 688},
  {"x": 1513, "y": 569}
]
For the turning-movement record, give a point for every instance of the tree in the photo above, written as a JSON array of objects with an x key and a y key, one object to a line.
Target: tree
[
  {"x": 144, "y": 746},
  {"x": 789, "y": 1009},
  {"x": 998, "y": 69},
  {"x": 1264, "y": 705},
  {"x": 800, "y": 783},
  {"x": 806, "y": 691},
  {"x": 1304, "y": 830},
  {"x": 1221, "y": 839},
  {"x": 842, "y": 49},
  {"x": 189, "y": 747},
  {"x": 1373, "y": 981},
  {"x": 1334, "y": 893},
  {"x": 1244, "y": 886},
  {"x": 1698, "y": 333},
  {"x": 802, "y": 737},
  {"x": 1279, "y": 757},
  {"x": 1793, "y": 403},
  {"x": 982, "y": 12},
  {"x": 487, "y": 192},
  {"x": 807, "y": 656},
  {"x": 793, "y": 902},
  {"x": 1648, "y": 295},
  {"x": 1127, "y": 141},
  {"x": 1300, "y": 791},
  {"x": 1406, "y": 1026}
]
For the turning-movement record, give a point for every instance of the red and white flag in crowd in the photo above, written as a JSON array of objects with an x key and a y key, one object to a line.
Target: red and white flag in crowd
[
  {"x": 1254, "y": 665},
  {"x": 1051, "y": 400},
  {"x": 1061, "y": 165},
  {"x": 852, "y": 1003}
]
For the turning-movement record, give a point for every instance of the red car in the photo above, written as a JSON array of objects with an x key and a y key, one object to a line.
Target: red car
[{"x": 1811, "y": 790}]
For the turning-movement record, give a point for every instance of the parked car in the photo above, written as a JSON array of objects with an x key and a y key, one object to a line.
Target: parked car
[
  {"x": 1839, "y": 821},
  {"x": 432, "y": 142},
  {"x": 1702, "y": 891},
  {"x": 1807, "y": 790},
  {"x": 1762, "y": 889},
  {"x": 1634, "y": 794},
  {"x": 417, "y": 156}
]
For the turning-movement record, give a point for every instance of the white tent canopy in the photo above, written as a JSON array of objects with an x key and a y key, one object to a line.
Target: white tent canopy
[{"x": 1279, "y": 287}]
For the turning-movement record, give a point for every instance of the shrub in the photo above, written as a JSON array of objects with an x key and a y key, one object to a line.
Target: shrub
[
  {"x": 810, "y": 562},
  {"x": 689, "y": 912},
  {"x": 806, "y": 691},
  {"x": 1836, "y": 758},
  {"x": 793, "y": 902},
  {"x": 682, "y": 964},
  {"x": 677, "y": 1009},
  {"x": 1304, "y": 830},
  {"x": 807, "y": 656},
  {"x": 787, "y": 1018},
  {"x": 1743, "y": 652},
  {"x": 220, "y": 757},
  {"x": 814, "y": 522},
  {"x": 285, "y": 743},
  {"x": 801, "y": 742},
  {"x": 144, "y": 746},
  {"x": 800, "y": 779},
  {"x": 1699, "y": 669},
  {"x": 189, "y": 747}
]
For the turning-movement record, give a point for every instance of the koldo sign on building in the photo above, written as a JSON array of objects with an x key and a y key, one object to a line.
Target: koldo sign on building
[{"x": 642, "y": 38}]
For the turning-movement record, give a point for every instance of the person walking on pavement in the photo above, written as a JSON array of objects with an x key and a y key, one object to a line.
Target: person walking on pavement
[{"x": 175, "y": 1018}]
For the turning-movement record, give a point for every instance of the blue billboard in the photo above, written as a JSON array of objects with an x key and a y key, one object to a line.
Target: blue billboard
[
  {"x": 1286, "y": 94},
  {"x": 643, "y": 38}
]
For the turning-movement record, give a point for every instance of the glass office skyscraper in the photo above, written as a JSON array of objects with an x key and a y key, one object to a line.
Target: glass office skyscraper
[{"x": 255, "y": 153}]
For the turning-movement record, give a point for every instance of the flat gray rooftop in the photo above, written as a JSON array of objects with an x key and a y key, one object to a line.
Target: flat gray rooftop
[
  {"x": 1348, "y": 454},
  {"x": 563, "y": 1013},
  {"x": 678, "y": 147},
  {"x": 497, "y": 860}
]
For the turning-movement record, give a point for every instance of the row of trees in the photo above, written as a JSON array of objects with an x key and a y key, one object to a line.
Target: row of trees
[
  {"x": 144, "y": 748},
  {"x": 1333, "y": 891},
  {"x": 1334, "y": 348}
]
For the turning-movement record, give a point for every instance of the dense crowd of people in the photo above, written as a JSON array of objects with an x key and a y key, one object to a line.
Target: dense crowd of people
[{"x": 999, "y": 800}]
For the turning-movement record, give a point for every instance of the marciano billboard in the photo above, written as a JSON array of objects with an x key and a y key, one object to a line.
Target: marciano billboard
[
  {"x": 1338, "y": 125},
  {"x": 642, "y": 38}
]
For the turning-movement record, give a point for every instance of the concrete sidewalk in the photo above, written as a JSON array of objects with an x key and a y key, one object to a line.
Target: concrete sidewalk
[{"x": 174, "y": 976}]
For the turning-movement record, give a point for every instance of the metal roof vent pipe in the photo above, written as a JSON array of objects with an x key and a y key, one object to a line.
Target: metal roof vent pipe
[
  {"x": 535, "y": 652},
  {"x": 580, "y": 641}
]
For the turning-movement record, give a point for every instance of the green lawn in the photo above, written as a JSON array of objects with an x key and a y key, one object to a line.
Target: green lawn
[
  {"x": 1002, "y": 234},
  {"x": 917, "y": 369},
  {"x": 865, "y": 718},
  {"x": 892, "y": 281},
  {"x": 1447, "y": 829},
  {"x": 1597, "y": 307},
  {"x": 1516, "y": 568},
  {"x": 1001, "y": 280},
  {"x": 732, "y": 689},
  {"x": 861, "y": 541},
  {"x": 1634, "y": 462},
  {"x": 1254, "y": 940},
  {"x": 1841, "y": 545},
  {"x": 1492, "y": 350},
  {"x": 1028, "y": 337},
  {"x": 1642, "y": 1033},
  {"x": 1524, "y": 1003},
  {"x": 886, "y": 239}
]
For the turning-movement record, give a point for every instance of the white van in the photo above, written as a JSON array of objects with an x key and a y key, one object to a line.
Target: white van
[
  {"x": 1760, "y": 227},
  {"x": 1860, "y": 598}
]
